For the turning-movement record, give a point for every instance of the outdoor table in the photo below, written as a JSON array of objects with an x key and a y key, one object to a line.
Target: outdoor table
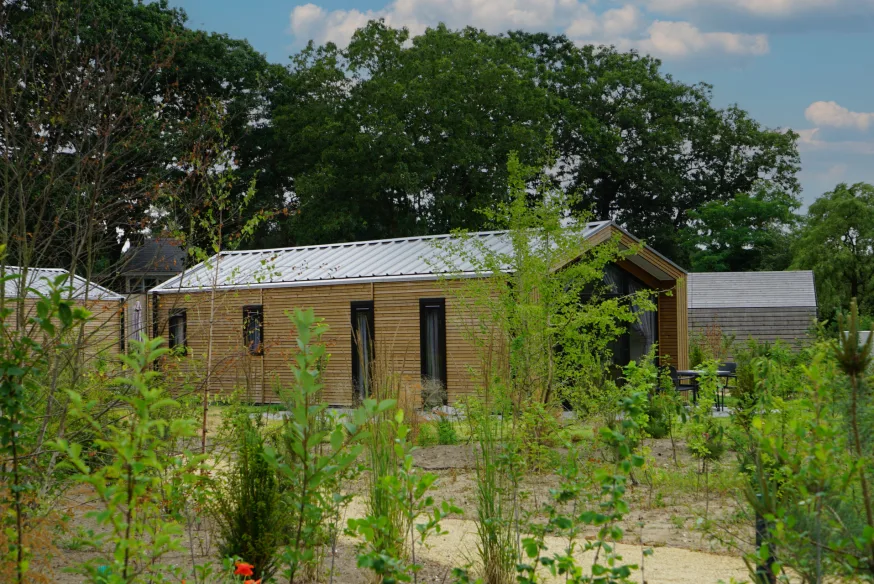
[{"x": 694, "y": 374}]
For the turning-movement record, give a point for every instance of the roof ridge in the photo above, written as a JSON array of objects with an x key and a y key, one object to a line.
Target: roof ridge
[
  {"x": 382, "y": 241},
  {"x": 359, "y": 243}
]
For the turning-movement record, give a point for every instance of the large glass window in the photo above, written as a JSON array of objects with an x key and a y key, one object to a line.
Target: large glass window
[
  {"x": 178, "y": 326},
  {"x": 643, "y": 333},
  {"x": 432, "y": 330},
  {"x": 253, "y": 329},
  {"x": 362, "y": 347}
]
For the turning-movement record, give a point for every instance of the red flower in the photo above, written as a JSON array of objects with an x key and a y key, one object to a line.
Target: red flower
[
  {"x": 243, "y": 569},
  {"x": 258, "y": 581}
]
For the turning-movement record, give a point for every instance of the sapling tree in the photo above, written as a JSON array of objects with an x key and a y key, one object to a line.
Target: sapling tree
[
  {"x": 24, "y": 355},
  {"x": 317, "y": 452},
  {"x": 218, "y": 217},
  {"x": 544, "y": 294},
  {"x": 542, "y": 319},
  {"x": 137, "y": 527},
  {"x": 578, "y": 503},
  {"x": 704, "y": 435}
]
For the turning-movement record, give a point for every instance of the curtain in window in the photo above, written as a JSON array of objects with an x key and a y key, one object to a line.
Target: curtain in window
[
  {"x": 137, "y": 322},
  {"x": 615, "y": 280},
  {"x": 254, "y": 322},
  {"x": 646, "y": 319},
  {"x": 177, "y": 330},
  {"x": 433, "y": 358},
  {"x": 365, "y": 351}
]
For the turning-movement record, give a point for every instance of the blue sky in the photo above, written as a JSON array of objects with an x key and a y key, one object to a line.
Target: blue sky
[{"x": 801, "y": 64}]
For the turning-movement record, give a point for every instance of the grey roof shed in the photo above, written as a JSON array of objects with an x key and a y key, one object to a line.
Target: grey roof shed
[{"x": 765, "y": 306}]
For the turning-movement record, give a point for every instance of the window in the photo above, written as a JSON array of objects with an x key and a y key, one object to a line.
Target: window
[
  {"x": 432, "y": 330},
  {"x": 178, "y": 329},
  {"x": 253, "y": 329},
  {"x": 140, "y": 285},
  {"x": 642, "y": 334},
  {"x": 362, "y": 347}
]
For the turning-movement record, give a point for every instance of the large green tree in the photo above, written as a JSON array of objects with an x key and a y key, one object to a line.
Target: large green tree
[
  {"x": 837, "y": 243},
  {"x": 395, "y": 136},
  {"x": 750, "y": 232},
  {"x": 646, "y": 149},
  {"x": 95, "y": 99}
]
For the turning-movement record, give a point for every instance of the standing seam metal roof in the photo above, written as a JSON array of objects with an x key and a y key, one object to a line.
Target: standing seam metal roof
[
  {"x": 411, "y": 258},
  {"x": 38, "y": 279},
  {"x": 751, "y": 289}
]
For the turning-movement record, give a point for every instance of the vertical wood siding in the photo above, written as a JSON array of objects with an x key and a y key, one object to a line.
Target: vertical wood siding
[{"x": 397, "y": 336}]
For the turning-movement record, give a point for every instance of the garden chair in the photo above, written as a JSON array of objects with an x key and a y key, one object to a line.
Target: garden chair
[
  {"x": 684, "y": 384},
  {"x": 727, "y": 373}
]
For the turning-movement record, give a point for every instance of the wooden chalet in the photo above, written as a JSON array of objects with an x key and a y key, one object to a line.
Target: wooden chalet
[{"x": 385, "y": 290}]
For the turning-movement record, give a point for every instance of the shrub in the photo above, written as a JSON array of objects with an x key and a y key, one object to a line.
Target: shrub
[
  {"x": 427, "y": 435},
  {"x": 142, "y": 473},
  {"x": 247, "y": 505},
  {"x": 446, "y": 432},
  {"x": 433, "y": 393},
  {"x": 659, "y": 414}
]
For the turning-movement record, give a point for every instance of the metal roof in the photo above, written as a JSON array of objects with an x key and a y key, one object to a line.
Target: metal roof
[
  {"x": 404, "y": 259},
  {"x": 38, "y": 279},
  {"x": 751, "y": 289}
]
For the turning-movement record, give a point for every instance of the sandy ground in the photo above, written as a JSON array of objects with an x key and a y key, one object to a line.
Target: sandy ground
[
  {"x": 680, "y": 554},
  {"x": 666, "y": 566}
]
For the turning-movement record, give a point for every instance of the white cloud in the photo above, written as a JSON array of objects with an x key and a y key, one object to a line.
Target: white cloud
[
  {"x": 831, "y": 114},
  {"x": 625, "y": 26},
  {"x": 312, "y": 22},
  {"x": 682, "y": 39},
  {"x": 810, "y": 140},
  {"x": 763, "y": 8}
]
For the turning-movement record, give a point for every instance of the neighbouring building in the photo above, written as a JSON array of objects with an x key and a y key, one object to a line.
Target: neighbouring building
[
  {"x": 103, "y": 334},
  {"x": 765, "y": 306},
  {"x": 385, "y": 295},
  {"x": 155, "y": 261}
]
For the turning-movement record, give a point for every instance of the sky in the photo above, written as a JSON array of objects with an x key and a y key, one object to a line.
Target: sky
[{"x": 807, "y": 65}]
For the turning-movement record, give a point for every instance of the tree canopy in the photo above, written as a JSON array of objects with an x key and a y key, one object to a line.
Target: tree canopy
[
  {"x": 394, "y": 136},
  {"x": 750, "y": 232},
  {"x": 95, "y": 99},
  {"x": 837, "y": 243},
  {"x": 390, "y": 136}
]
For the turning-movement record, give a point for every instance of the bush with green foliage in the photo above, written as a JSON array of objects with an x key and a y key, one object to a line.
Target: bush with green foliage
[
  {"x": 809, "y": 462},
  {"x": 137, "y": 525},
  {"x": 246, "y": 503},
  {"x": 446, "y": 434}
]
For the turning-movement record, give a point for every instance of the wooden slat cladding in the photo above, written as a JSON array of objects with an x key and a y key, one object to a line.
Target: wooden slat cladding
[
  {"x": 396, "y": 320},
  {"x": 100, "y": 335},
  {"x": 396, "y": 336},
  {"x": 789, "y": 325}
]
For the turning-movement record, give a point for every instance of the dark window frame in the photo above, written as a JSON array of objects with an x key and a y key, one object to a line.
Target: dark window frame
[
  {"x": 426, "y": 304},
  {"x": 122, "y": 308},
  {"x": 172, "y": 341},
  {"x": 248, "y": 311},
  {"x": 354, "y": 308}
]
